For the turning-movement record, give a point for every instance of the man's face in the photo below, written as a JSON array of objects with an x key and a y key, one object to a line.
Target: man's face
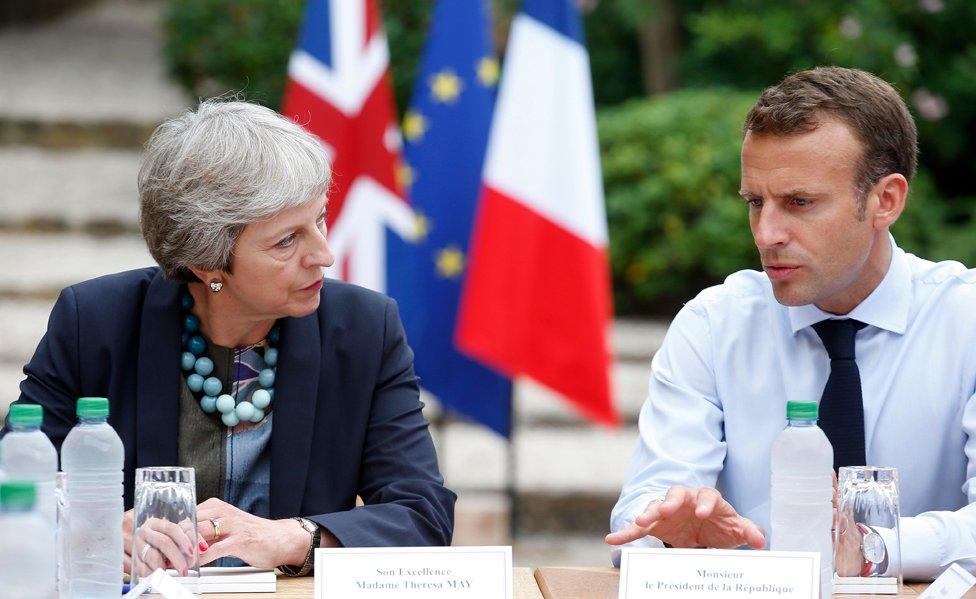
[{"x": 803, "y": 212}]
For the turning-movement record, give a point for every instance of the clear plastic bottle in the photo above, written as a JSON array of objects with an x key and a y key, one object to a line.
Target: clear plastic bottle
[
  {"x": 26, "y": 545},
  {"x": 26, "y": 454},
  {"x": 802, "y": 489},
  {"x": 92, "y": 458}
]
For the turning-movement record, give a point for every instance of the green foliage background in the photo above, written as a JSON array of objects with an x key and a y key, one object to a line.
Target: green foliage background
[
  {"x": 671, "y": 162},
  {"x": 671, "y": 176},
  {"x": 216, "y": 46},
  {"x": 926, "y": 48}
]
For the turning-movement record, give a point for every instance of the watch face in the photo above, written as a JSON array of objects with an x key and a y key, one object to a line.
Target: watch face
[
  {"x": 308, "y": 525},
  {"x": 874, "y": 548}
]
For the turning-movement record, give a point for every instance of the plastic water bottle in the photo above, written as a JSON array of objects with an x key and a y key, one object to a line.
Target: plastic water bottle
[
  {"x": 93, "y": 457},
  {"x": 26, "y": 545},
  {"x": 802, "y": 489},
  {"x": 27, "y": 455}
]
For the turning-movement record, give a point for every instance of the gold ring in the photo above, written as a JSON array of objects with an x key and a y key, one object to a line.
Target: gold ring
[{"x": 216, "y": 525}]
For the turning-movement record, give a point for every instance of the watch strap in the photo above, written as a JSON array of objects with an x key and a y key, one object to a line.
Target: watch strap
[
  {"x": 867, "y": 566},
  {"x": 315, "y": 533}
]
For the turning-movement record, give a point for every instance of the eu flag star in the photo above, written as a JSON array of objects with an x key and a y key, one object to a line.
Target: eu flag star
[
  {"x": 421, "y": 225},
  {"x": 487, "y": 70},
  {"x": 414, "y": 125},
  {"x": 446, "y": 86},
  {"x": 450, "y": 262},
  {"x": 405, "y": 175}
]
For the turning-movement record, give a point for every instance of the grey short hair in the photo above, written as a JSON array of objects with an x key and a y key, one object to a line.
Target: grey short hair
[{"x": 209, "y": 173}]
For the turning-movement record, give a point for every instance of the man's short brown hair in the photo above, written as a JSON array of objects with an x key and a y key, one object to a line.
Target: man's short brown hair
[{"x": 872, "y": 109}]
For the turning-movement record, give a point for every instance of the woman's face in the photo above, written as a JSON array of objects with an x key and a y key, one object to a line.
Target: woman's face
[{"x": 278, "y": 264}]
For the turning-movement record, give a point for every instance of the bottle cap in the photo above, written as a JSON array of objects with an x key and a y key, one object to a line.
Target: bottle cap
[
  {"x": 802, "y": 410},
  {"x": 92, "y": 407},
  {"x": 23, "y": 414},
  {"x": 17, "y": 495}
]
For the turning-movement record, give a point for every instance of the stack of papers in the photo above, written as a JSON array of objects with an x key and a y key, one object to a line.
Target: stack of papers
[{"x": 235, "y": 580}]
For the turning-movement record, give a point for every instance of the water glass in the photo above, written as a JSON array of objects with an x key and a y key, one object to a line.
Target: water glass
[
  {"x": 164, "y": 525},
  {"x": 867, "y": 543}
]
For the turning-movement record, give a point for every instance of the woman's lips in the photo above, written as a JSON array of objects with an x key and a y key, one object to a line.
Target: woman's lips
[
  {"x": 314, "y": 286},
  {"x": 779, "y": 273}
]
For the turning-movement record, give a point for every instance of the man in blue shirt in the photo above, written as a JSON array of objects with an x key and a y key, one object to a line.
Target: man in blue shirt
[{"x": 827, "y": 158}]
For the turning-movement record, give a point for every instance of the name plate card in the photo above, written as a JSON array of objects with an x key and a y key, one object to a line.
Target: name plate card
[
  {"x": 414, "y": 572},
  {"x": 951, "y": 584},
  {"x": 720, "y": 574}
]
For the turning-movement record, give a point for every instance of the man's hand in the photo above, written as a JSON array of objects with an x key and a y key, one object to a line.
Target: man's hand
[
  {"x": 692, "y": 518},
  {"x": 127, "y": 541},
  {"x": 848, "y": 557}
]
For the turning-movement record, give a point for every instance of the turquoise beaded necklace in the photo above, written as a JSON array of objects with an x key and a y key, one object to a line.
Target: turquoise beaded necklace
[{"x": 197, "y": 368}]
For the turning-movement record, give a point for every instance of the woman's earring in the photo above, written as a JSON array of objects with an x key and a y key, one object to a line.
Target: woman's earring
[{"x": 216, "y": 285}]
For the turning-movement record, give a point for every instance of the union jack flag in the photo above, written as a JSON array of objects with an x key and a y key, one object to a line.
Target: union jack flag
[{"x": 339, "y": 89}]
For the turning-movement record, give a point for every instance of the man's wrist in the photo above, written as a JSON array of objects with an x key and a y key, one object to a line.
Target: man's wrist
[{"x": 873, "y": 548}]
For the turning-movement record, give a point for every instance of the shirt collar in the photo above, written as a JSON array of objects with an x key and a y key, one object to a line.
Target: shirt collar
[{"x": 886, "y": 308}]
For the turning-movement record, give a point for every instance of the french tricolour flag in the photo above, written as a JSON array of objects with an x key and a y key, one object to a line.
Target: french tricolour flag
[{"x": 537, "y": 298}]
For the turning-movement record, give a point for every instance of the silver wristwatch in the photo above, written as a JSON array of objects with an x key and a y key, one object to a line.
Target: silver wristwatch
[
  {"x": 316, "y": 533},
  {"x": 873, "y": 551}
]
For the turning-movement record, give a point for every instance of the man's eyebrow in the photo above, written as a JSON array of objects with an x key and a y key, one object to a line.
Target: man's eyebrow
[
  {"x": 802, "y": 193},
  {"x": 793, "y": 193}
]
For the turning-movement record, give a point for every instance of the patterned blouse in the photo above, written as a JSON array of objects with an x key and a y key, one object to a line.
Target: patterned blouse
[{"x": 233, "y": 464}]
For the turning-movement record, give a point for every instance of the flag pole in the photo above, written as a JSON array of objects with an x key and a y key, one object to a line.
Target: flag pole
[{"x": 511, "y": 470}]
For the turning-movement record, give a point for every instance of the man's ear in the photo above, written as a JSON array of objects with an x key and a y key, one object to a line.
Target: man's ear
[{"x": 889, "y": 197}]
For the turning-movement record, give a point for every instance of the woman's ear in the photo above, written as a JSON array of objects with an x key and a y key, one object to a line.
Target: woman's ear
[{"x": 207, "y": 276}]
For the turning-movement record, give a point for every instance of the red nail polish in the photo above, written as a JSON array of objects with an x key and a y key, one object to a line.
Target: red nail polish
[{"x": 203, "y": 546}]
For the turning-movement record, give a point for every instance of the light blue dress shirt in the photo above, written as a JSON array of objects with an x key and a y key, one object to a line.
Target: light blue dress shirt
[{"x": 733, "y": 356}]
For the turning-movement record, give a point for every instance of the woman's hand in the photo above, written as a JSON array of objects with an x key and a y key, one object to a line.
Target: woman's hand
[
  {"x": 161, "y": 544},
  {"x": 260, "y": 542},
  {"x": 164, "y": 544}
]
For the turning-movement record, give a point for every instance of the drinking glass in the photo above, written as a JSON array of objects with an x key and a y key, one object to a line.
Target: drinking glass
[
  {"x": 867, "y": 543},
  {"x": 164, "y": 525}
]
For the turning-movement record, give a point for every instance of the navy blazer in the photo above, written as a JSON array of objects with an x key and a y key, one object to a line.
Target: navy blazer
[{"x": 347, "y": 413}]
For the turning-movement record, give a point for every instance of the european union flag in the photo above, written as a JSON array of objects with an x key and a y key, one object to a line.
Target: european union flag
[{"x": 445, "y": 133}]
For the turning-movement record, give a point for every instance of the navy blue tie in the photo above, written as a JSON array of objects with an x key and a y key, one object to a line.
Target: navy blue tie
[{"x": 841, "y": 407}]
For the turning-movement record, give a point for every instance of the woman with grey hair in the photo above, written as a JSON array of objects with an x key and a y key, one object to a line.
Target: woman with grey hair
[{"x": 290, "y": 395}]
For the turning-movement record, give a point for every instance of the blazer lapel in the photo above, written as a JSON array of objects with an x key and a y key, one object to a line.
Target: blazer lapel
[
  {"x": 157, "y": 393},
  {"x": 295, "y": 399}
]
